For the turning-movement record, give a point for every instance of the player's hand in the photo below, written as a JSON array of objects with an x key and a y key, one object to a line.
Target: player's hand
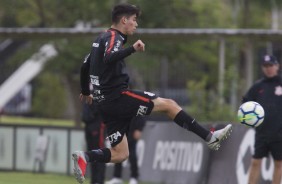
[
  {"x": 139, "y": 45},
  {"x": 87, "y": 98}
]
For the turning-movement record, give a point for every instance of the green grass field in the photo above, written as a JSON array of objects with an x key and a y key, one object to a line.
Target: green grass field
[
  {"x": 35, "y": 121},
  {"x": 34, "y": 178}
]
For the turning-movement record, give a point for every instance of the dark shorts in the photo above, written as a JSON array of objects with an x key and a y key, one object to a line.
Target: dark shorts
[
  {"x": 263, "y": 147},
  {"x": 118, "y": 113}
]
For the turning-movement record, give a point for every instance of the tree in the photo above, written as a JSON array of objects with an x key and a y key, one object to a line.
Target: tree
[
  {"x": 49, "y": 101},
  {"x": 182, "y": 60}
]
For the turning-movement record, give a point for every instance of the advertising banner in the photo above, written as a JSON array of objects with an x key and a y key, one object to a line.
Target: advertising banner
[
  {"x": 231, "y": 163},
  {"x": 166, "y": 153},
  {"x": 173, "y": 155},
  {"x": 6, "y": 150}
]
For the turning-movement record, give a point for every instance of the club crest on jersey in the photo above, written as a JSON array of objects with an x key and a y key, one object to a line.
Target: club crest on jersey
[
  {"x": 114, "y": 137},
  {"x": 278, "y": 90},
  {"x": 142, "y": 110},
  {"x": 95, "y": 45}
]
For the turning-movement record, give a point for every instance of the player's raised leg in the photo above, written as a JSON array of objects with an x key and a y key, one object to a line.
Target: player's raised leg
[{"x": 181, "y": 118}]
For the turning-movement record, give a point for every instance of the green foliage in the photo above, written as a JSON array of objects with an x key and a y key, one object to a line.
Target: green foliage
[
  {"x": 40, "y": 13},
  {"x": 25, "y": 53},
  {"x": 205, "y": 105},
  {"x": 155, "y": 14},
  {"x": 188, "y": 58},
  {"x": 183, "y": 13},
  {"x": 145, "y": 67},
  {"x": 72, "y": 53},
  {"x": 192, "y": 60},
  {"x": 49, "y": 96}
]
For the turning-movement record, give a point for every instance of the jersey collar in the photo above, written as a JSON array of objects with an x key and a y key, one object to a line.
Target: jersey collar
[{"x": 124, "y": 36}]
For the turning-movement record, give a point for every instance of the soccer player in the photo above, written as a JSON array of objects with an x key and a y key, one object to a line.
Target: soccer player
[
  {"x": 117, "y": 104},
  {"x": 268, "y": 138}
]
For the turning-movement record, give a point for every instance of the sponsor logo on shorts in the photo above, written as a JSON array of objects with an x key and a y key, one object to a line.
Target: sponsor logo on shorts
[
  {"x": 114, "y": 137},
  {"x": 94, "y": 80},
  {"x": 99, "y": 98},
  {"x": 142, "y": 110}
]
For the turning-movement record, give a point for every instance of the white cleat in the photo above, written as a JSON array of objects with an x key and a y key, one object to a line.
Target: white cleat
[
  {"x": 79, "y": 166},
  {"x": 114, "y": 181},
  {"x": 219, "y": 136},
  {"x": 133, "y": 181}
]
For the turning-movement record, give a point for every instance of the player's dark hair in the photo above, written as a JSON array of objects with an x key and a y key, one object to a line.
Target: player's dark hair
[{"x": 124, "y": 9}]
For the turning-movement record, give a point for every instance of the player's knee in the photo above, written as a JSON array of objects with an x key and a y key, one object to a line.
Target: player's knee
[
  {"x": 124, "y": 156},
  {"x": 172, "y": 106},
  {"x": 170, "y": 103}
]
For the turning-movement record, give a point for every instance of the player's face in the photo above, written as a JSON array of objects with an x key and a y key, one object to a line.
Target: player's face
[
  {"x": 270, "y": 70},
  {"x": 130, "y": 24}
]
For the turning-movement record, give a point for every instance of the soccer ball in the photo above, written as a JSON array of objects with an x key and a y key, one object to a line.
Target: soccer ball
[{"x": 251, "y": 114}]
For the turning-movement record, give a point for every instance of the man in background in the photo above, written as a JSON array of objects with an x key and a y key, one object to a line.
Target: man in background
[
  {"x": 268, "y": 138},
  {"x": 95, "y": 138}
]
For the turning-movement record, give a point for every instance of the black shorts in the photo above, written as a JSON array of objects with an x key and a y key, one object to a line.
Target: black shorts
[
  {"x": 263, "y": 147},
  {"x": 118, "y": 113}
]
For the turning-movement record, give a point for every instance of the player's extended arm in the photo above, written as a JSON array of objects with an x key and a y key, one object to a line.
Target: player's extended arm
[{"x": 114, "y": 51}]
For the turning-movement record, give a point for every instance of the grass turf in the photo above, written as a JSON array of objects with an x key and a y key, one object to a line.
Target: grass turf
[
  {"x": 35, "y": 121},
  {"x": 35, "y": 178},
  {"x": 38, "y": 178}
]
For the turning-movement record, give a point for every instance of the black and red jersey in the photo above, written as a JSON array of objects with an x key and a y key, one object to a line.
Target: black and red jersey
[{"x": 104, "y": 67}]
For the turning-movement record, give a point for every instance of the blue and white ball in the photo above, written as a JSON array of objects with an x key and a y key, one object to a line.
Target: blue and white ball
[{"x": 251, "y": 114}]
